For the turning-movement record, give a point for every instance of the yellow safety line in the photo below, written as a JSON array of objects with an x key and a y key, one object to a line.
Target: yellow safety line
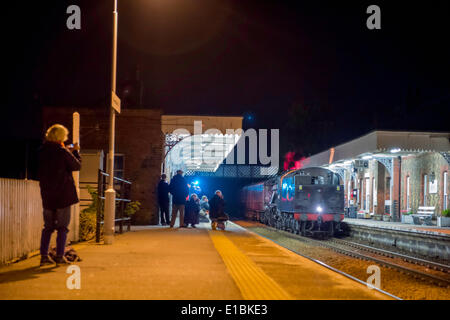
[{"x": 252, "y": 281}]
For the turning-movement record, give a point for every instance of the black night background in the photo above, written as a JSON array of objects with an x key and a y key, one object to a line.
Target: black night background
[{"x": 310, "y": 68}]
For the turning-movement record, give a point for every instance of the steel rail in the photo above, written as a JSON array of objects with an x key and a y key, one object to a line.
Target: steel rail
[
  {"x": 415, "y": 273},
  {"x": 411, "y": 259},
  {"x": 319, "y": 262}
]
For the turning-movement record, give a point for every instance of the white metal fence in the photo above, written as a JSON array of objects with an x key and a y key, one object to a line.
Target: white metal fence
[{"x": 21, "y": 219}]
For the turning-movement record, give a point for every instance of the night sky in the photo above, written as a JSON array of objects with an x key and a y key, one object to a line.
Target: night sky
[{"x": 217, "y": 57}]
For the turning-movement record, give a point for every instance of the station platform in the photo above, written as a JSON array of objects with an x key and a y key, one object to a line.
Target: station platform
[
  {"x": 420, "y": 229},
  {"x": 155, "y": 262}
]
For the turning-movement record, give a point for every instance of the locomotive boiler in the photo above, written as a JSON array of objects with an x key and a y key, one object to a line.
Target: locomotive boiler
[{"x": 306, "y": 201}]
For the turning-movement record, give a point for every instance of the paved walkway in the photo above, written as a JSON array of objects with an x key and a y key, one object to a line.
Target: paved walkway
[
  {"x": 442, "y": 231},
  {"x": 162, "y": 263}
]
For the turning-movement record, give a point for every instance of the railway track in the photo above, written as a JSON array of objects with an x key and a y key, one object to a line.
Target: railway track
[
  {"x": 348, "y": 248},
  {"x": 423, "y": 262},
  {"x": 320, "y": 262}
]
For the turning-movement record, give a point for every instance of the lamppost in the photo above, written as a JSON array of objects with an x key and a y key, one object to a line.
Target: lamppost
[{"x": 110, "y": 193}]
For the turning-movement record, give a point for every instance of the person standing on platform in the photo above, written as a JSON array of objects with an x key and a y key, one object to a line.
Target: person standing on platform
[
  {"x": 192, "y": 211},
  {"x": 179, "y": 189},
  {"x": 163, "y": 200},
  {"x": 58, "y": 191}
]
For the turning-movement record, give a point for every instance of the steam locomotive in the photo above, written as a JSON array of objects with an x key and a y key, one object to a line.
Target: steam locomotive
[{"x": 307, "y": 201}]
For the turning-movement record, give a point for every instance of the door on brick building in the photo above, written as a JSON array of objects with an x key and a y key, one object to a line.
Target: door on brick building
[
  {"x": 349, "y": 193},
  {"x": 360, "y": 195},
  {"x": 374, "y": 196},
  {"x": 425, "y": 189},
  {"x": 367, "y": 197},
  {"x": 408, "y": 195},
  {"x": 445, "y": 204},
  {"x": 387, "y": 195}
]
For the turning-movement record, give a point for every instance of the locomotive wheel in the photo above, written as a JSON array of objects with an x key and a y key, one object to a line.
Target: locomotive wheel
[
  {"x": 303, "y": 228},
  {"x": 331, "y": 229},
  {"x": 296, "y": 227},
  {"x": 292, "y": 225},
  {"x": 267, "y": 217}
]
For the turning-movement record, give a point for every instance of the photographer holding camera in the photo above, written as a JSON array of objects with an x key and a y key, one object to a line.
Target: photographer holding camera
[{"x": 58, "y": 191}]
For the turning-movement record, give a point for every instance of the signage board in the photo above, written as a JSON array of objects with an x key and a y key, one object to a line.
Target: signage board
[{"x": 115, "y": 102}]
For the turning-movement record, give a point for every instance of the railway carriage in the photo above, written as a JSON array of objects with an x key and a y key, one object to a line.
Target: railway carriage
[{"x": 307, "y": 201}]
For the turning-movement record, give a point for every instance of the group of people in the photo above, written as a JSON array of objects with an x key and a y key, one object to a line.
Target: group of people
[
  {"x": 192, "y": 209},
  {"x": 57, "y": 161}
]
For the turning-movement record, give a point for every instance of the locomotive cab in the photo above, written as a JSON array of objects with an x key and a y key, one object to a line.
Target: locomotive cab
[{"x": 308, "y": 201}]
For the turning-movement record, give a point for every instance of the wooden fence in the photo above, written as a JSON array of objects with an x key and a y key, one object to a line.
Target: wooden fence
[{"x": 21, "y": 219}]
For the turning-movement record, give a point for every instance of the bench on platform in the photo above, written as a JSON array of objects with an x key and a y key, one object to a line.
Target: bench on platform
[{"x": 424, "y": 215}]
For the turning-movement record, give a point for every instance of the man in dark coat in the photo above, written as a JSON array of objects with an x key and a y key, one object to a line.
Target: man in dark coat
[
  {"x": 58, "y": 191},
  {"x": 163, "y": 200},
  {"x": 179, "y": 189}
]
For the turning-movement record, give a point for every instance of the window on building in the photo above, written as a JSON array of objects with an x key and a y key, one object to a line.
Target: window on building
[
  {"x": 119, "y": 160},
  {"x": 445, "y": 206},
  {"x": 425, "y": 189}
]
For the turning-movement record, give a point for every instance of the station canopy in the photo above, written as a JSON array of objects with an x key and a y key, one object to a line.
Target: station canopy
[
  {"x": 382, "y": 146},
  {"x": 199, "y": 143}
]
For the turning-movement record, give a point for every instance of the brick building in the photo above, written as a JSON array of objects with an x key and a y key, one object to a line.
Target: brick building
[
  {"x": 390, "y": 172},
  {"x": 142, "y": 152},
  {"x": 139, "y": 145}
]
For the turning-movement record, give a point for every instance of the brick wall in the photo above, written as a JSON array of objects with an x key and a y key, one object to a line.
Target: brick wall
[
  {"x": 138, "y": 137},
  {"x": 416, "y": 167}
]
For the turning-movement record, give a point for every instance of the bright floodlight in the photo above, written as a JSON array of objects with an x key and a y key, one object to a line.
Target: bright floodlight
[
  {"x": 319, "y": 209},
  {"x": 395, "y": 150},
  {"x": 195, "y": 182}
]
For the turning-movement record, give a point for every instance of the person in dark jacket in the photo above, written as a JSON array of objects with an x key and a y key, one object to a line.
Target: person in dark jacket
[
  {"x": 179, "y": 189},
  {"x": 163, "y": 200},
  {"x": 192, "y": 211},
  {"x": 216, "y": 208},
  {"x": 58, "y": 191}
]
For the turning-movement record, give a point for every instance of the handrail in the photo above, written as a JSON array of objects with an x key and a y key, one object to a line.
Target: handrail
[
  {"x": 117, "y": 199},
  {"x": 122, "y": 180},
  {"x": 124, "y": 192}
]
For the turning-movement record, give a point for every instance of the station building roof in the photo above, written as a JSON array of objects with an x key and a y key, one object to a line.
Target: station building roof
[
  {"x": 380, "y": 144},
  {"x": 199, "y": 143}
]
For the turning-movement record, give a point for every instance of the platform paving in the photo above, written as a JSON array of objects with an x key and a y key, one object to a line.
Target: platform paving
[{"x": 156, "y": 262}]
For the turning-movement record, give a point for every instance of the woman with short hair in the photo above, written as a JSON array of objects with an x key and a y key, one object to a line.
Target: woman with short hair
[{"x": 58, "y": 191}]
